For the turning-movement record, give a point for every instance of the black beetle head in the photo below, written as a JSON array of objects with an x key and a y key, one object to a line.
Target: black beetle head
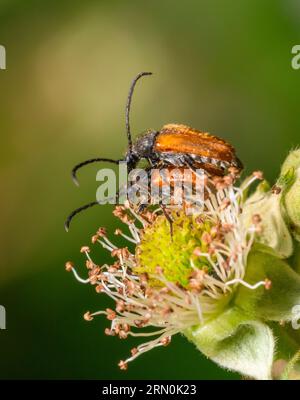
[{"x": 143, "y": 146}]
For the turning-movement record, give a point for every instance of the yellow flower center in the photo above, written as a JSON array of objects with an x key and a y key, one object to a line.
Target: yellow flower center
[{"x": 175, "y": 254}]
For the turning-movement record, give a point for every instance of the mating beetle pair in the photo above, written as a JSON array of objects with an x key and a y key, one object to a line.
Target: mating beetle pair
[{"x": 174, "y": 145}]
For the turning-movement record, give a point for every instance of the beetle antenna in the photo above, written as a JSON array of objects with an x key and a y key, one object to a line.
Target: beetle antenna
[
  {"x": 77, "y": 211},
  {"x": 129, "y": 98},
  {"x": 82, "y": 208},
  {"x": 92, "y": 160},
  {"x": 92, "y": 204}
]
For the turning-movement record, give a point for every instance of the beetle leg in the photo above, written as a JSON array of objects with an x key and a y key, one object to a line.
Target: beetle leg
[
  {"x": 168, "y": 218},
  {"x": 142, "y": 207},
  {"x": 190, "y": 163},
  {"x": 166, "y": 214}
]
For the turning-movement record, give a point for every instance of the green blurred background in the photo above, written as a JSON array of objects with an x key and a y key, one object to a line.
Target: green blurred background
[{"x": 219, "y": 66}]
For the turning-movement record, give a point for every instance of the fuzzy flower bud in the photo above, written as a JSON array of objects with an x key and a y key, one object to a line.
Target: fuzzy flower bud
[
  {"x": 291, "y": 198},
  {"x": 263, "y": 208}
]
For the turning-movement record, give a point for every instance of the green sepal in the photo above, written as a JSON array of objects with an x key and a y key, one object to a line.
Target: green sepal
[
  {"x": 237, "y": 343},
  {"x": 292, "y": 161},
  {"x": 291, "y": 206},
  {"x": 294, "y": 261},
  {"x": 291, "y": 372},
  {"x": 276, "y": 303},
  {"x": 286, "y": 179},
  {"x": 287, "y": 340},
  {"x": 290, "y": 171}
]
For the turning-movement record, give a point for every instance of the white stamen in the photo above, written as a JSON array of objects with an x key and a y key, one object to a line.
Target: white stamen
[
  {"x": 79, "y": 279},
  {"x": 255, "y": 286}
]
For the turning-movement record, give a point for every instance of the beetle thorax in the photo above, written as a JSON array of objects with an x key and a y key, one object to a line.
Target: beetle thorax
[{"x": 143, "y": 146}]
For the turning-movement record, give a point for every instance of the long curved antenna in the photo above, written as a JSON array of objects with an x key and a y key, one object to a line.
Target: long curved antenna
[
  {"x": 129, "y": 98},
  {"x": 75, "y": 212},
  {"x": 92, "y": 204},
  {"x": 92, "y": 160}
]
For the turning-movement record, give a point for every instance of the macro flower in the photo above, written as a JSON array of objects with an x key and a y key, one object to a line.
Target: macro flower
[{"x": 224, "y": 277}]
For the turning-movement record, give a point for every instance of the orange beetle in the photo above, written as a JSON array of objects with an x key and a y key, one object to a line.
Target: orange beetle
[
  {"x": 174, "y": 145},
  {"x": 179, "y": 145}
]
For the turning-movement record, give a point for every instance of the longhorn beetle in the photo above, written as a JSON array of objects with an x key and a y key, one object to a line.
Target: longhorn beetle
[{"x": 175, "y": 145}]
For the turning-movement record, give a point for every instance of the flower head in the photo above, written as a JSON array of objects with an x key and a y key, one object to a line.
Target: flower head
[{"x": 174, "y": 282}]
